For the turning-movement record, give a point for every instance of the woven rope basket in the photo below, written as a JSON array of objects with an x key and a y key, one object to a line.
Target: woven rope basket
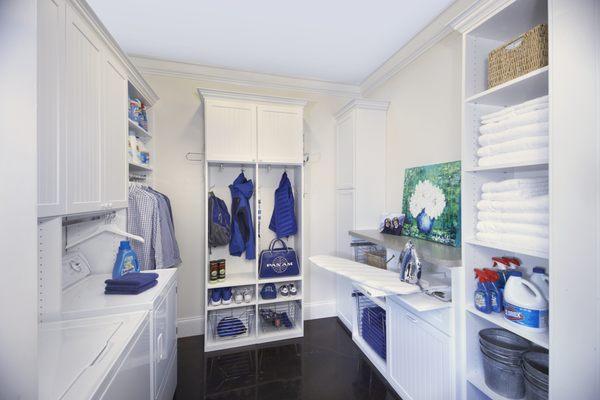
[{"x": 520, "y": 56}]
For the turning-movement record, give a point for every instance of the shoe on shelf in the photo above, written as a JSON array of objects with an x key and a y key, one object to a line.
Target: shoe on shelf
[
  {"x": 216, "y": 297},
  {"x": 238, "y": 297},
  {"x": 283, "y": 290},
  {"x": 226, "y": 296},
  {"x": 292, "y": 289},
  {"x": 248, "y": 295}
]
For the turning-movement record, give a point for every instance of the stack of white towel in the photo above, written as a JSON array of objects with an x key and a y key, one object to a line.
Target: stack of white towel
[
  {"x": 517, "y": 134},
  {"x": 515, "y": 212}
]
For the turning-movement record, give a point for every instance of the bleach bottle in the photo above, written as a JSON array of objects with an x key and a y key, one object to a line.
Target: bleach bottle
[
  {"x": 540, "y": 279},
  {"x": 524, "y": 304},
  {"x": 126, "y": 261}
]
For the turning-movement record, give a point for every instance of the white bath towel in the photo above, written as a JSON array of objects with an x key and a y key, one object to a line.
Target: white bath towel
[
  {"x": 540, "y": 218},
  {"x": 525, "y": 156},
  {"x": 514, "y": 184},
  {"x": 510, "y": 227},
  {"x": 530, "y": 117},
  {"x": 539, "y": 101},
  {"x": 522, "y": 241},
  {"x": 526, "y": 143},
  {"x": 529, "y": 130},
  {"x": 513, "y": 113},
  {"x": 516, "y": 195},
  {"x": 535, "y": 204}
]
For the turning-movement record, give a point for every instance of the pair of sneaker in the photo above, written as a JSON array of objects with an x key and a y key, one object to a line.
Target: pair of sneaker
[
  {"x": 221, "y": 296},
  {"x": 288, "y": 290},
  {"x": 242, "y": 295}
]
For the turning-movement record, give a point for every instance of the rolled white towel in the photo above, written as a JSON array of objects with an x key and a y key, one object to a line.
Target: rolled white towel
[
  {"x": 542, "y": 100},
  {"x": 526, "y": 156},
  {"x": 510, "y": 227},
  {"x": 515, "y": 195},
  {"x": 526, "y": 143},
  {"x": 529, "y": 130},
  {"x": 530, "y": 117},
  {"x": 514, "y": 184},
  {"x": 522, "y": 241},
  {"x": 541, "y": 218},
  {"x": 535, "y": 204}
]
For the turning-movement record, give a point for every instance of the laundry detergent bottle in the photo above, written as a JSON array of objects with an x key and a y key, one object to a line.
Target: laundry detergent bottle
[
  {"x": 126, "y": 261},
  {"x": 481, "y": 296},
  {"x": 540, "y": 279},
  {"x": 524, "y": 304}
]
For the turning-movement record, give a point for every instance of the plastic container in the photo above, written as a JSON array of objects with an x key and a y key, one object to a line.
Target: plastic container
[
  {"x": 525, "y": 305},
  {"x": 540, "y": 279},
  {"x": 535, "y": 371},
  {"x": 481, "y": 297},
  {"x": 126, "y": 261}
]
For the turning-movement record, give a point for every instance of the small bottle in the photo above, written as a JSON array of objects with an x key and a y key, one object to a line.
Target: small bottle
[
  {"x": 495, "y": 293},
  {"x": 221, "y": 270},
  {"x": 126, "y": 261},
  {"x": 214, "y": 271}
]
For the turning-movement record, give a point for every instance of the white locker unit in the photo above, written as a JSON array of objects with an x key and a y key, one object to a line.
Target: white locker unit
[{"x": 280, "y": 134}]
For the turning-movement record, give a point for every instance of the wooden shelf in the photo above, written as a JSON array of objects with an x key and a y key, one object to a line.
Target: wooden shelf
[
  {"x": 507, "y": 247},
  {"x": 477, "y": 379},
  {"x": 139, "y": 167},
  {"x": 141, "y": 132},
  {"x": 541, "y": 339}
]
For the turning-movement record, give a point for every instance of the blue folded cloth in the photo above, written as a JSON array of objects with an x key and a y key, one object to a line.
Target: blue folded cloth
[
  {"x": 132, "y": 279},
  {"x": 124, "y": 289}
]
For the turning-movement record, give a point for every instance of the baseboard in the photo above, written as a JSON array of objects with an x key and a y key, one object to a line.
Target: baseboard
[
  {"x": 319, "y": 309},
  {"x": 190, "y": 326}
]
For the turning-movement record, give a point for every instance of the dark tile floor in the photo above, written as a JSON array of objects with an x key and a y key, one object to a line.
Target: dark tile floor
[{"x": 323, "y": 365}]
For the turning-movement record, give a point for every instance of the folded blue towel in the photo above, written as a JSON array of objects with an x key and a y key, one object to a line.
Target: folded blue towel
[
  {"x": 132, "y": 279},
  {"x": 129, "y": 289}
]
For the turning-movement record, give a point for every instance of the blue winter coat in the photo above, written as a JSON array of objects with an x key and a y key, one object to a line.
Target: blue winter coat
[
  {"x": 242, "y": 224},
  {"x": 283, "y": 220}
]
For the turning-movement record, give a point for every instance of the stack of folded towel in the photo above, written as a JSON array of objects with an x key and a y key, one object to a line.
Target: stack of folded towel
[
  {"x": 131, "y": 283},
  {"x": 517, "y": 134},
  {"x": 514, "y": 211}
]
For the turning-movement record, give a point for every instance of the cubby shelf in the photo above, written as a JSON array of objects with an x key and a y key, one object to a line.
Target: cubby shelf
[
  {"x": 139, "y": 167},
  {"x": 508, "y": 248},
  {"x": 505, "y": 168},
  {"x": 234, "y": 279},
  {"x": 282, "y": 279},
  {"x": 210, "y": 307},
  {"x": 477, "y": 380},
  {"x": 140, "y": 132},
  {"x": 280, "y": 299}
]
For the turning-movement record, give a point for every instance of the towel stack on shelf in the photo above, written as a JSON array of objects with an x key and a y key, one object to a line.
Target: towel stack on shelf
[
  {"x": 517, "y": 134},
  {"x": 515, "y": 212}
]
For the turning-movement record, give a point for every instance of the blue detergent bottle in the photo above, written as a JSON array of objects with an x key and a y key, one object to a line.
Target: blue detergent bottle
[
  {"x": 126, "y": 261},
  {"x": 496, "y": 301},
  {"x": 482, "y": 299}
]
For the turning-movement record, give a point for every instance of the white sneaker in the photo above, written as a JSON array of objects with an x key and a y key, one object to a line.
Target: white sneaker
[
  {"x": 248, "y": 296},
  {"x": 238, "y": 297},
  {"x": 293, "y": 290},
  {"x": 283, "y": 290}
]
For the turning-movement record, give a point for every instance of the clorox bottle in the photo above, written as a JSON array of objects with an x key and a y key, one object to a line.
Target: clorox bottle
[{"x": 524, "y": 304}]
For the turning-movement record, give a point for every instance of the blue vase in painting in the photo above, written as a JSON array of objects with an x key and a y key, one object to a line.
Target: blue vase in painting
[{"x": 425, "y": 222}]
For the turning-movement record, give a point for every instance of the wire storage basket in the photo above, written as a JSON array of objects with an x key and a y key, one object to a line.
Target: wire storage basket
[
  {"x": 231, "y": 323},
  {"x": 366, "y": 251},
  {"x": 371, "y": 324},
  {"x": 278, "y": 316}
]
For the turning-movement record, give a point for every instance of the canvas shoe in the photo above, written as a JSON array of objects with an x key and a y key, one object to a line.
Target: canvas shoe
[
  {"x": 238, "y": 297},
  {"x": 248, "y": 296},
  {"x": 292, "y": 289},
  {"x": 216, "y": 297},
  {"x": 226, "y": 296},
  {"x": 283, "y": 290}
]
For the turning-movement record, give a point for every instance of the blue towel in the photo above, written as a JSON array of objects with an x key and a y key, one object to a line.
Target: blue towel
[
  {"x": 129, "y": 289},
  {"x": 132, "y": 280},
  {"x": 283, "y": 219}
]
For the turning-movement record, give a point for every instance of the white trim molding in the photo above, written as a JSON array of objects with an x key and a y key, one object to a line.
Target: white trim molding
[
  {"x": 477, "y": 13},
  {"x": 152, "y": 66},
  {"x": 226, "y": 95},
  {"x": 190, "y": 326},
  {"x": 320, "y": 309},
  {"x": 365, "y": 104}
]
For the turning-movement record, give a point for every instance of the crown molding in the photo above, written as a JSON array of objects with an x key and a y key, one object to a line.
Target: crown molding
[
  {"x": 227, "y": 95},
  {"x": 365, "y": 104},
  {"x": 173, "y": 69},
  {"x": 477, "y": 13},
  {"x": 133, "y": 74}
]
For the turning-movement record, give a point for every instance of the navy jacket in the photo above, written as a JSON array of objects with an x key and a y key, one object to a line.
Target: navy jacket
[
  {"x": 283, "y": 220},
  {"x": 242, "y": 224}
]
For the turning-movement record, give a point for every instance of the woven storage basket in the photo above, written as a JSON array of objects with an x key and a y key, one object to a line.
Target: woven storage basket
[
  {"x": 521, "y": 55},
  {"x": 376, "y": 258}
]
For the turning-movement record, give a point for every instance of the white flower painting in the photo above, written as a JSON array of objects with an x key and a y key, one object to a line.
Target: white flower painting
[{"x": 429, "y": 198}]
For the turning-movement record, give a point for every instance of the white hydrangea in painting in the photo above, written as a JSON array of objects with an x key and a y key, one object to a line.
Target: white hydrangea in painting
[{"x": 426, "y": 204}]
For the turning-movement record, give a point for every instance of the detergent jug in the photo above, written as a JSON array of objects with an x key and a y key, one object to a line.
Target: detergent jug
[
  {"x": 540, "y": 279},
  {"x": 524, "y": 304},
  {"x": 126, "y": 261}
]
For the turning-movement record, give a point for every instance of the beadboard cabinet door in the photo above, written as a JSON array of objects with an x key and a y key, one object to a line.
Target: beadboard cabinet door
[
  {"x": 345, "y": 152},
  {"x": 50, "y": 110},
  {"x": 344, "y": 222},
  {"x": 230, "y": 130},
  {"x": 280, "y": 137},
  {"x": 114, "y": 134},
  {"x": 83, "y": 115}
]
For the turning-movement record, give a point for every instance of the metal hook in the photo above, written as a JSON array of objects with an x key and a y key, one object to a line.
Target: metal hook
[
  {"x": 190, "y": 156},
  {"x": 220, "y": 167}
]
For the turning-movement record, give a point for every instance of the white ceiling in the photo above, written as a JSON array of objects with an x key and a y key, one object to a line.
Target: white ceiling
[{"x": 332, "y": 40}]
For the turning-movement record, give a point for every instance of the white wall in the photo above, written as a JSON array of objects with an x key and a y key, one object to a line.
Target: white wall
[
  {"x": 424, "y": 114},
  {"x": 179, "y": 129}
]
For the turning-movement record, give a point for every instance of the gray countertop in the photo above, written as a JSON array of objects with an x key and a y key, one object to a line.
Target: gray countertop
[{"x": 434, "y": 253}]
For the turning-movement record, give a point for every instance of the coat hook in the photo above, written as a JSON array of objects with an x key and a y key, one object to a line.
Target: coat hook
[{"x": 190, "y": 156}]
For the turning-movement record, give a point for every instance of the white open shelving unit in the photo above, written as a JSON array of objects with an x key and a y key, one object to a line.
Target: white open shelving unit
[
  {"x": 513, "y": 19},
  {"x": 136, "y": 168}
]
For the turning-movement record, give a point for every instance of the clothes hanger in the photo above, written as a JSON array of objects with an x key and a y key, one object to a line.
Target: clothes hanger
[{"x": 109, "y": 228}]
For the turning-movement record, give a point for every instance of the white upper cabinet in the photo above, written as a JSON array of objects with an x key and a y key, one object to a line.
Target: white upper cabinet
[
  {"x": 280, "y": 134},
  {"x": 230, "y": 131},
  {"x": 345, "y": 152},
  {"x": 114, "y": 135},
  {"x": 50, "y": 110},
  {"x": 248, "y": 128},
  {"x": 83, "y": 115}
]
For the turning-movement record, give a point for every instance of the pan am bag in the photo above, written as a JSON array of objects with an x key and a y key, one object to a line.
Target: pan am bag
[{"x": 278, "y": 262}]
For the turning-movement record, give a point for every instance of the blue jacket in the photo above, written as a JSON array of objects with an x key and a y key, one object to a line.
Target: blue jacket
[
  {"x": 242, "y": 224},
  {"x": 283, "y": 220}
]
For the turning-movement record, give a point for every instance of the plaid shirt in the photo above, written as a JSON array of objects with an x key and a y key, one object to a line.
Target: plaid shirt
[
  {"x": 143, "y": 219},
  {"x": 170, "y": 249}
]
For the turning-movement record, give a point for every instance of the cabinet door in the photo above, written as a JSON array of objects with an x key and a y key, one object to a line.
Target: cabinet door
[
  {"x": 419, "y": 357},
  {"x": 165, "y": 337},
  {"x": 344, "y": 222},
  {"x": 280, "y": 134},
  {"x": 83, "y": 108},
  {"x": 345, "y": 303},
  {"x": 114, "y": 135},
  {"x": 230, "y": 131},
  {"x": 345, "y": 143},
  {"x": 50, "y": 110}
]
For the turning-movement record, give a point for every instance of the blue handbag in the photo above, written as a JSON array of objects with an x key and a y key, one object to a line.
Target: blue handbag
[{"x": 278, "y": 262}]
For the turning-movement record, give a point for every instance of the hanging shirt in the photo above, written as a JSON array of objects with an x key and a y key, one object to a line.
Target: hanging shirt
[
  {"x": 143, "y": 219},
  {"x": 170, "y": 249},
  {"x": 283, "y": 219}
]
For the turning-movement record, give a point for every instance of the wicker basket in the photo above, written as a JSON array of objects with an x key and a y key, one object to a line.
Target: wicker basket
[
  {"x": 376, "y": 258},
  {"x": 520, "y": 56}
]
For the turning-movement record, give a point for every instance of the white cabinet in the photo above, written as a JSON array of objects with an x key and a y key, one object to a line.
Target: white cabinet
[
  {"x": 344, "y": 222},
  {"x": 165, "y": 338},
  {"x": 280, "y": 134},
  {"x": 50, "y": 110},
  {"x": 345, "y": 152},
  {"x": 419, "y": 357},
  {"x": 345, "y": 303}
]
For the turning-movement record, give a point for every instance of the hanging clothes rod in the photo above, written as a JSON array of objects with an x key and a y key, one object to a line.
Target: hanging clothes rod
[{"x": 78, "y": 220}]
